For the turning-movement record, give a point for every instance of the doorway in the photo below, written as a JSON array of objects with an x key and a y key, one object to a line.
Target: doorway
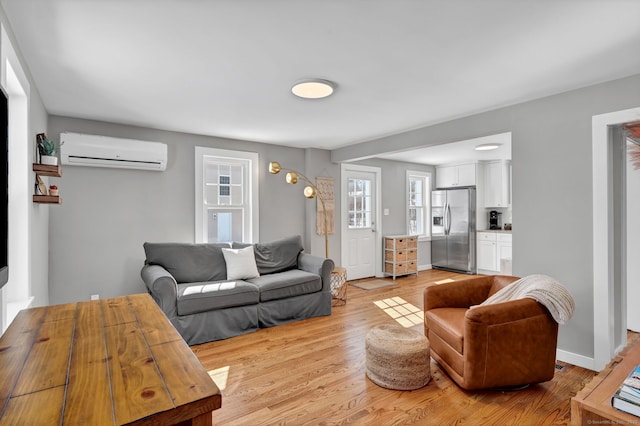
[
  {"x": 609, "y": 325},
  {"x": 360, "y": 227}
]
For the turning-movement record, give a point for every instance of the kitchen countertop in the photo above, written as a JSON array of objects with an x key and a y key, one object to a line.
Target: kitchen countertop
[{"x": 497, "y": 231}]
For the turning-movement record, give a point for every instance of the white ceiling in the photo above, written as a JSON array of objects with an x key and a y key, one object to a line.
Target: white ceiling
[
  {"x": 225, "y": 67},
  {"x": 457, "y": 152}
]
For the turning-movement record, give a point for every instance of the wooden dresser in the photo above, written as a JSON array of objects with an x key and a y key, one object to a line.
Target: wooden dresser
[
  {"x": 400, "y": 255},
  {"x": 592, "y": 405},
  {"x": 112, "y": 361}
]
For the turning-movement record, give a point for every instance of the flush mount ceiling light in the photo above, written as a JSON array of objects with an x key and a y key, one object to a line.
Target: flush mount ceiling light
[
  {"x": 313, "y": 89},
  {"x": 488, "y": 146}
]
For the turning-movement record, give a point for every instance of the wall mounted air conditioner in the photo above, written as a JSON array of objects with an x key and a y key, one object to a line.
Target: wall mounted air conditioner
[{"x": 104, "y": 151}]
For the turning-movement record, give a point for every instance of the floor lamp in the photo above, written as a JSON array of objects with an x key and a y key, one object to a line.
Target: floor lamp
[
  {"x": 310, "y": 191},
  {"x": 338, "y": 275}
]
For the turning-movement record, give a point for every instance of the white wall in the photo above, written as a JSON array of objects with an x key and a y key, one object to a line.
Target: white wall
[
  {"x": 633, "y": 245},
  {"x": 34, "y": 269}
]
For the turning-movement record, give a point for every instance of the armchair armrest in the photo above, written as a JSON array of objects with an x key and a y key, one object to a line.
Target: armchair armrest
[
  {"x": 458, "y": 294},
  {"x": 317, "y": 265},
  {"x": 515, "y": 340},
  {"x": 500, "y": 313},
  {"x": 162, "y": 287}
]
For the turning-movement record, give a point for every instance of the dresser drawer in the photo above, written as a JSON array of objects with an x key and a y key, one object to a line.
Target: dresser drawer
[
  {"x": 412, "y": 254},
  {"x": 401, "y": 255},
  {"x": 395, "y": 268},
  {"x": 401, "y": 243},
  {"x": 412, "y": 242}
]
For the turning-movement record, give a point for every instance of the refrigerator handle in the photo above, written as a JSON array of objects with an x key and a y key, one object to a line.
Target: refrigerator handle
[
  {"x": 448, "y": 213},
  {"x": 444, "y": 219}
]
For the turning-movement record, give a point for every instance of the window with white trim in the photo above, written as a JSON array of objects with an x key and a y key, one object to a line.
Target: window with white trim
[
  {"x": 226, "y": 195},
  {"x": 418, "y": 203}
]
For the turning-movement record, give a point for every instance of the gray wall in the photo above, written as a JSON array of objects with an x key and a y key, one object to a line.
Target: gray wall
[
  {"x": 318, "y": 164},
  {"x": 552, "y": 173},
  {"x": 96, "y": 235},
  {"x": 394, "y": 198}
]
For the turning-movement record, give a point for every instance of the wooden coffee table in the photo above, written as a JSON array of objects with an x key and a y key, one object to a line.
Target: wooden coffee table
[
  {"x": 592, "y": 405},
  {"x": 111, "y": 361}
]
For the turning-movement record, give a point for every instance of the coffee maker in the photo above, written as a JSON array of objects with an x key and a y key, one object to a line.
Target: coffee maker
[{"x": 495, "y": 219}]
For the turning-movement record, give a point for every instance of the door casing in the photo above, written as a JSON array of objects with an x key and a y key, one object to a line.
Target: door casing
[{"x": 344, "y": 167}]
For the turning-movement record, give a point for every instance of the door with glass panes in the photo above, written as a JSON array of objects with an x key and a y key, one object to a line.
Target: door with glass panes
[{"x": 361, "y": 222}]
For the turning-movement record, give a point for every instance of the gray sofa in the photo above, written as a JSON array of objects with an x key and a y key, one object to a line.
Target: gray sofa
[{"x": 189, "y": 283}]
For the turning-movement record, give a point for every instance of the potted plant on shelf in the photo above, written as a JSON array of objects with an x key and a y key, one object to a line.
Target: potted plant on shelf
[{"x": 47, "y": 149}]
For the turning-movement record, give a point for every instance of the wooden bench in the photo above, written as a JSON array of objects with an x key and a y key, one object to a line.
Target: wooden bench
[{"x": 111, "y": 361}]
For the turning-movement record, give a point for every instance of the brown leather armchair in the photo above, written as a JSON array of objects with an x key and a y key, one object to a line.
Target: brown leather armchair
[{"x": 501, "y": 345}]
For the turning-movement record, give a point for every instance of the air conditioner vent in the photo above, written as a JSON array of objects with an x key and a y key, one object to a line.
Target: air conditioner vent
[{"x": 103, "y": 151}]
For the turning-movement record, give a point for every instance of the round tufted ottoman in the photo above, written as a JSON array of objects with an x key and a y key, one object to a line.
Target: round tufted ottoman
[{"x": 397, "y": 358}]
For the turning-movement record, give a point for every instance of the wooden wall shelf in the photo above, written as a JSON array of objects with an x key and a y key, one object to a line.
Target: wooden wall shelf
[
  {"x": 47, "y": 170},
  {"x": 47, "y": 199}
]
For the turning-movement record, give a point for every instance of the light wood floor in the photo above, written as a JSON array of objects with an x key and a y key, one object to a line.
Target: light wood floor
[{"x": 313, "y": 372}]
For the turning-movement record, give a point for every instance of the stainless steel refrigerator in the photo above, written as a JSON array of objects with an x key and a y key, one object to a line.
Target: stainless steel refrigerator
[{"x": 453, "y": 229}]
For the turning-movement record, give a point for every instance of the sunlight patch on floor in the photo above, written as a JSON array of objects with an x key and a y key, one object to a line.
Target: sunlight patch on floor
[
  {"x": 446, "y": 280},
  {"x": 220, "y": 376},
  {"x": 405, "y": 314}
]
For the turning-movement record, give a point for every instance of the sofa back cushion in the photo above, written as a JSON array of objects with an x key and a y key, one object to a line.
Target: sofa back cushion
[
  {"x": 189, "y": 262},
  {"x": 276, "y": 256}
]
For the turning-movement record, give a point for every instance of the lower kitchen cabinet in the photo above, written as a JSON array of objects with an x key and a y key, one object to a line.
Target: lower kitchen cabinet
[
  {"x": 504, "y": 254},
  {"x": 493, "y": 252}
]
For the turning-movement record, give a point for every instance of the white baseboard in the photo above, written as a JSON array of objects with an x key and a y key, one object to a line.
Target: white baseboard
[
  {"x": 424, "y": 267},
  {"x": 575, "y": 359}
]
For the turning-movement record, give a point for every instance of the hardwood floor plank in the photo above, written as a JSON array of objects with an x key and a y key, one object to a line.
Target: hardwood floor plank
[{"x": 313, "y": 372}]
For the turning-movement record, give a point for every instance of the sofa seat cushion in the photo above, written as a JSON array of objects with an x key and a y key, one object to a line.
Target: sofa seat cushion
[
  {"x": 286, "y": 284},
  {"x": 208, "y": 296},
  {"x": 448, "y": 324}
]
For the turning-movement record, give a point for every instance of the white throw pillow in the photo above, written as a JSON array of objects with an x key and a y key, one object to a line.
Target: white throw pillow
[{"x": 241, "y": 263}]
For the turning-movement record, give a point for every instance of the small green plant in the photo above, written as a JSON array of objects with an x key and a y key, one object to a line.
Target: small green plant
[{"x": 47, "y": 146}]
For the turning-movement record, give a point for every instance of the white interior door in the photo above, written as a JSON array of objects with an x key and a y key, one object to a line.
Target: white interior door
[{"x": 360, "y": 237}]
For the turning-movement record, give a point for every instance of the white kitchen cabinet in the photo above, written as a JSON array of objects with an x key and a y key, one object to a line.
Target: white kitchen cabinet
[
  {"x": 504, "y": 254},
  {"x": 497, "y": 184},
  {"x": 493, "y": 253},
  {"x": 456, "y": 175},
  {"x": 487, "y": 251}
]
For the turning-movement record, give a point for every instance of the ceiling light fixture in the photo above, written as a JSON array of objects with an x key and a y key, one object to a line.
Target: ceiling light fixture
[
  {"x": 313, "y": 89},
  {"x": 488, "y": 146}
]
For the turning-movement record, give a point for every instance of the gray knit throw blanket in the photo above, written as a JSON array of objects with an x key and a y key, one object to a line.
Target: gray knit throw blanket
[{"x": 553, "y": 295}]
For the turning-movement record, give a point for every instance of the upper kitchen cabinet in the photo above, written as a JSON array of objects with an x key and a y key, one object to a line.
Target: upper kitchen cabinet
[
  {"x": 451, "y": 176},
  {"x": 497, "y": 183}
]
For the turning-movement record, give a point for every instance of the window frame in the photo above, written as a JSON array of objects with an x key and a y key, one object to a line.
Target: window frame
[
  {"x": 427, "y": 179},
  {"x": 364, "y": 197},
  {"x": 251, "y": 199}
]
